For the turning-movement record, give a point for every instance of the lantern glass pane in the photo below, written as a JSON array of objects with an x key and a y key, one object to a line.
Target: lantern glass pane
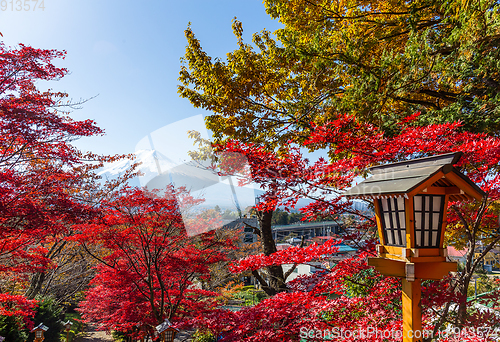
[
  {"x": 434, "y": 237},
  {"x": 428, "y": 218},
  {"x": 169, "y": 335},
  {"x": 436, "y": 203},
  {"x": 418, "y": 220},
  {"x": 393, "y": 221},
  {"x": 401, "y": 202},
  {"x": 435, "y": 221},
  {"x": 396, "y": 239},
  {"x": 38, "y": 334},
  {"x": 417, "y": 202},
  {"x": 385, "y": 206},
  {"x": 402, "y": 220},
  {"x": 387, "y": 219},
  {"x": 390, "y": 241}
]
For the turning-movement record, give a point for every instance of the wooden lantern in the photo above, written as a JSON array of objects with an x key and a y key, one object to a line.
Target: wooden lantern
[
  {"x": 166, "y": 331},
  {"x": 411, "y": 200},
  {"x": 39, "y": 330},
  {"x": 67, "y": 328}
]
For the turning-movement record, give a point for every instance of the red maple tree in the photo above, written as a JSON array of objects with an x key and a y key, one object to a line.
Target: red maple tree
[
  {"x": 363, "y": 300},
  {"x": 150, "y": 269},
  {"x": 45, "y": 181}
]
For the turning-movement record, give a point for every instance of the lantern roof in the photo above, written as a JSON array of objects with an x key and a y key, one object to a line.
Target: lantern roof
[
  {"x": 407, "y": 177},
  {"x": 40, "y": 327},
  {"x": 165, "y": 326}
]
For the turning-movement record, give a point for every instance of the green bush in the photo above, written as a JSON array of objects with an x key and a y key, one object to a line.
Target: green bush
[
  {"x": 119, "y": 336},
  {"x": 260, "y": 296},
  {"x": 10, "y": 329},
  {"x": 251, "y": 296},
  {"x": 204, "y": 336},
  {"x": 48, "y": 312}
]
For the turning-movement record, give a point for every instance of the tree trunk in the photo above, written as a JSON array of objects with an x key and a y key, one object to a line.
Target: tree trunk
[
  {"x": 462, "y": 306},
  {"x": 35, "y": 285},
  {"x": 276, "y": 279}
]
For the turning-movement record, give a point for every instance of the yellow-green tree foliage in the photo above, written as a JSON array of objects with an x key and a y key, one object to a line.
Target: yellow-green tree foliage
[{"x": 377, "y": 60}]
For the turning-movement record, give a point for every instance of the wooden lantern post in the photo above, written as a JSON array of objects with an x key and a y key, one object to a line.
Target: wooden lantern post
[
  {"x": 411, "y": 200},
  {"x": 39, "y": 330},
  {"x": 67, "y": 328}
]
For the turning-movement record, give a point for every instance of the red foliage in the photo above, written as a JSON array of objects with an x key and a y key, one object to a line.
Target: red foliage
[
  {"x": 149, "y": 267},
  {"x": 362, "y": 299},
  {"x": 287, "y": 176},
  {"x": 289, "y": 255},
  {"x": 40, "y": 171}
]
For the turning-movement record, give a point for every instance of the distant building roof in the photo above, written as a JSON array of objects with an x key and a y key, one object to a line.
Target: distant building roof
[
  {"x": 453, "y": 252},
  {"x": 303, "y": 225},
  {"x": 342, "y": 248},
  {"x": 240, "y": 222},
  {"x": 333, "y": 236},
  {"x": 345, "y": 249},
  {"x": 282, "y": 246}
]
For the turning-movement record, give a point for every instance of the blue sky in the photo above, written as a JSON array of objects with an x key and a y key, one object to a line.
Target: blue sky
[{"x": 127, "y": 53}]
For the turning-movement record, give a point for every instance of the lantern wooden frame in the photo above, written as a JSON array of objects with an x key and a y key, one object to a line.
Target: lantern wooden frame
[
  {"x": 398, "y": 185},
  {"x": 401, "y": 184},
  {"x": 39, "y": 330},
  {"x": 166, "y": 330}
]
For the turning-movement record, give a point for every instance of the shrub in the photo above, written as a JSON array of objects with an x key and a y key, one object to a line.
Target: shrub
[
  {"x": 48, "y": 312},
  {"x": 204, "y": 336},
  {"x": 10, "y": 329}
]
